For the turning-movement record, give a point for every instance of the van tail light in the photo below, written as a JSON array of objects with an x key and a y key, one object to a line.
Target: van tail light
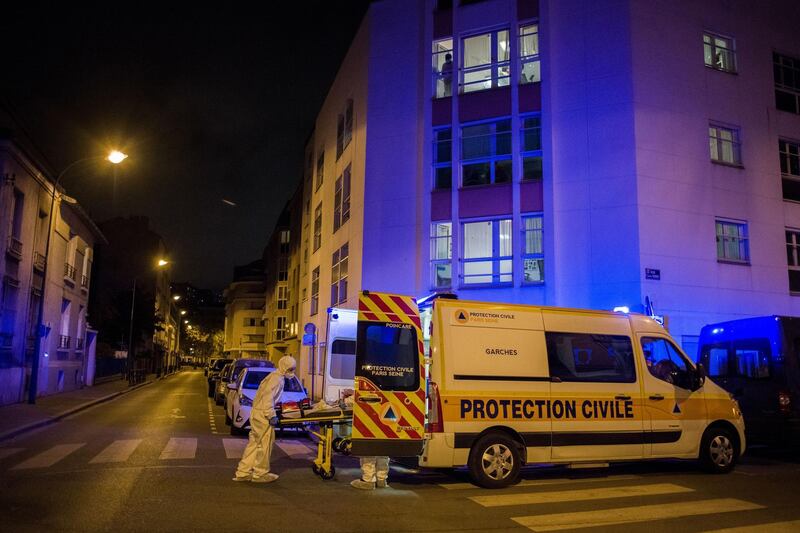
[
  {"x": 784, "y": 402},
  {"x": 435, "y": 421}
]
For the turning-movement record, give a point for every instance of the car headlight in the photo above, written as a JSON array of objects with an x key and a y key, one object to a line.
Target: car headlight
[{"x": 245, "y": 401}]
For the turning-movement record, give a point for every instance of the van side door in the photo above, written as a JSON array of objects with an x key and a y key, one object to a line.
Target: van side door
[
  {"x": 389, "y": 403},
  {"x": 677, "y": 415}
]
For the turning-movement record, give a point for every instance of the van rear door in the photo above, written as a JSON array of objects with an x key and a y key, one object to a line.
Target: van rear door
[{"x": 389, "y": 406}]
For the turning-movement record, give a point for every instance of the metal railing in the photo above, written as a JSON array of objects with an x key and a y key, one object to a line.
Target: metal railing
[
  {"x": 38, "y": 261},
  {"x": 69, "y": 271},
  {"x": 78, "y": 344},
  {"x": 14, "y": 247},
  {"x": 84, "y": 282},
  {"x": 63, "y": 342}
]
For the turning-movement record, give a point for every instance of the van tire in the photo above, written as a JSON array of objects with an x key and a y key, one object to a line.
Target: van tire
[
  {"x": 719, "y": 450},
  {"x": 495, "y": 461}
]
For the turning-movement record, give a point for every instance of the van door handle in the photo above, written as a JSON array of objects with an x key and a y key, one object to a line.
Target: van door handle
[
  {"x": 369, "y": 399},
  {"x": 657, "y": 397},
  {"x": 622, "y": 397}
]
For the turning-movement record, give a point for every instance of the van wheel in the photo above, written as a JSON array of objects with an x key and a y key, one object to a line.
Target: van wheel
[
  {"x": 494, "y": 461},
  {"x": 718, "y": 450}
]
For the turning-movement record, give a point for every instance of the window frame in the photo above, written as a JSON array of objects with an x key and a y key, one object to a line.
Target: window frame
[
  {"x": 530, "y": 153},
  {"x": 550, "y": 337},
  {"x": 718, "y": 222},
  {"x": 495, "y": 65},
  {"x": 320, "y": 177},
  {"x": 792, "y": 91},
  {"x": 493, "y": 158},
  {"x": 525, "y": 254},
  {"x": 314, "y": 292},
  {"x": 436, "y": 261},
  {"x": 729, "y": 50},
  {"x": 339, "y": 262},
  {"x": 496, "y": 259},
  {"x": 530, "y": 58},
  {"x": 439, "y": 75},
  {"x": 317, "y": 227},
  {"x": 442, "y": 165},
  {"x": 716, "y": 144},
  {"x": 793, "y": 252}
]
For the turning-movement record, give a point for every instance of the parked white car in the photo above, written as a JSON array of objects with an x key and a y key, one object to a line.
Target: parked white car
[{"x": 244, "y": 391}]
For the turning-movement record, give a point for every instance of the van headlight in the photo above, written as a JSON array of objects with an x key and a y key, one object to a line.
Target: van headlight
[{"x": 245, "y": 401}]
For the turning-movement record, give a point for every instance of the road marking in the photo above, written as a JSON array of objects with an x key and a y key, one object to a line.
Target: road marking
[
  {"x": 629, "y": 515},
  {"x": 179, "y": 448},
  {"x": 49, "y": 457},
  {"x": 543, "y": 482},
  {"x": 774, "y": 527},
  {"x": 117, "y": 452},
  {"x": 294, "y": 448},
  {"x": 234, "y": 448},
  {"x": 8, "y": 452},
  {"x": 530, "y": 498}
]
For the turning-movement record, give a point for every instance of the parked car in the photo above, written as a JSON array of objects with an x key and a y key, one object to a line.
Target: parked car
[
  {"x": 213, "y": 374},
  {"x": 245, "y": 388},
  {"x": 222, "y": 382},
  {"x": 757, "y": 360},
  {"x": 238, "y": 366},
  {"x": 211, "y": 363}
]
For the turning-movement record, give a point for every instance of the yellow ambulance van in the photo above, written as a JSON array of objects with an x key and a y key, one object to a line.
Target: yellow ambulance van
[{"x": 513, "y": 384}]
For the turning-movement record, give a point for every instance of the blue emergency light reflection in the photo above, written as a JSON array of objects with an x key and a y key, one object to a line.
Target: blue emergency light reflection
[{"x": 622, "y": 309}]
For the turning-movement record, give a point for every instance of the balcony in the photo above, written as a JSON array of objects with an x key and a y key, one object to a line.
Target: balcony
[
  {"x": 69, "y": 272},
  {"x": 38, "y": 262},
  {"x": 63, "y": 342},
  {"x": 14, "y": 247},
  {"x": 79, "y": 345},
  {"x": 84, "y": 282}
]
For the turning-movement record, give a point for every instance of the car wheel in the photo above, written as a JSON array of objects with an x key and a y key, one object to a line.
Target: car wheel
[
  {"x": 218, "y": 400},
  {"x": 210, "y": 390},
  {"x": 228, "y": 421},
  {"x": 718, "y": 450},
  {"x": 495, "y": 461},
  {"x": 237, "y": 432}
]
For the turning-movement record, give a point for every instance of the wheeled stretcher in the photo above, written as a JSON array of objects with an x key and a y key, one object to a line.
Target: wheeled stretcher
[{"x": 327, "y": 441}]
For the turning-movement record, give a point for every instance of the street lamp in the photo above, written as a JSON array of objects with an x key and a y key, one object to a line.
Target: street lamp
[
  {"x": 176, "y": 297},
  {"x": 183, "y": 312},
  {"x": 34, "y": 382},
  {"x": 160, "y": 264}
]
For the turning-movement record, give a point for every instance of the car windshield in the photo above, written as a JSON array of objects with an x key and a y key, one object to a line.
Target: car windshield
[
  {"x": 292, "y": 385},
  {"x": 253, "y": 379},
  {"x": 219, "y": 365}
]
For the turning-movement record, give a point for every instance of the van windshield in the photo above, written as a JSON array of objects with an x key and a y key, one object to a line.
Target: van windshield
[{"x": 388, "y": 355}]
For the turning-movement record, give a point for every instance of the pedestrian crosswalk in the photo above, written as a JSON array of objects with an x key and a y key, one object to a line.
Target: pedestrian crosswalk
[{"x": 123, "y": 451}]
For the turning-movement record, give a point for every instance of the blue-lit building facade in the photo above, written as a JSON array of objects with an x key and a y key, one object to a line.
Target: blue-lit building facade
[{"x": 580, "y": 153}]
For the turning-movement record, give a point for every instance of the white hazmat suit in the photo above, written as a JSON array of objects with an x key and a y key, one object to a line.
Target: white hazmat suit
[
  {"x": 254, "y": 465},
  {"x": 374, "y": 473}
]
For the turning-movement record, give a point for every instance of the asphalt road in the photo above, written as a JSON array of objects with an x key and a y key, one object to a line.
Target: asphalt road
[{"x": 153, "y": 461}]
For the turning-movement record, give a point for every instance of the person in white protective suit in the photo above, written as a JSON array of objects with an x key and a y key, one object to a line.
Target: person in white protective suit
[
  {"x": 254, "y": 465},
  {"x": 374, "y": 473}
]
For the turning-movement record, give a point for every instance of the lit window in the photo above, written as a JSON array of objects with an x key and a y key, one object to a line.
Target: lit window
[
  {"x": 488, "y": 253},
  {"x": 732, "y": 241},
  {"x": 341, "y": 200},
  {"x": 344, "y": 129},
  {"x": 280, "y": 328},
  {"x": 719, "y": 52},
  {"x": 533, "y": 250},
  {"x": 283, "y": 296},
  {"x": 530, "y": 66},
  {"x": 531, "y": 147},
  {"x": 339, "y": 275},
  {"x": 320, "y": 169},
  {"x": 314, "y": 291},
  {"x": 724, "y": 145},
  {"x": 442, "y": 55},
  {"x": 442, "y": 158},
  {"x": 485, "y": 61},
  {"x": 789, "y": 153},
  {"x": 318, "y": 227},
  {"x": 441, "y": 253},
  {"x": 486, "y": 153},
  {"x": 793, "y": 258},
  {"x": 787, "y": 83}
]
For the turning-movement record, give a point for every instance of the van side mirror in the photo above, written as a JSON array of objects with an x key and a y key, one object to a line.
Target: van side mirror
[{"x": 699, "y": 376}]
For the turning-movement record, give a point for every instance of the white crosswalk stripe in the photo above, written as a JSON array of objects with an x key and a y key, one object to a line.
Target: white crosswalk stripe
[
  {"x": 8, "y": 452},
  {"x": 543, "y": 482},
  {"x": 295, "y": 449},
  {"x": 639, "y": 513},
  {"x": 49, "y": 457},
  {"x": 117, "y": 452},
  {"x": 179, "y": 448},
  {"x": 234, "y": 448},
  {"x": 530, "y": 498}
]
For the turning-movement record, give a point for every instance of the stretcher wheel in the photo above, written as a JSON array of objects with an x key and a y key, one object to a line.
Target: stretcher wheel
[
  {"x": 328, "y": 474},
  {"x": 337, "y": 444},
  {"x": 315, "y": 469}
]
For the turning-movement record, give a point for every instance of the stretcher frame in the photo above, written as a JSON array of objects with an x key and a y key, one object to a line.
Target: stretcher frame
[{"x": 323, "y": 464}]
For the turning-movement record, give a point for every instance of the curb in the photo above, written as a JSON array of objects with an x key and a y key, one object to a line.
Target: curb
[{"x": 78, "y": 408}]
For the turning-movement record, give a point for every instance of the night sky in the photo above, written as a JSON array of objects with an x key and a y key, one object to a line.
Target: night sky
[{"x": 209, "y": 104}]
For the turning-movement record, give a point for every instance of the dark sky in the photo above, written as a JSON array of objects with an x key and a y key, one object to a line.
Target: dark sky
[{"x": 208, "y": 103}]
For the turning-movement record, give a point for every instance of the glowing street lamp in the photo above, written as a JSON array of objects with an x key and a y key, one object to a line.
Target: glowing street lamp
[
  {"x": 183, "y": 312},
  {"x": 176, "y": 297},
  {"x": 116, "y": 157},
  {"x": 162, "y": 262}
]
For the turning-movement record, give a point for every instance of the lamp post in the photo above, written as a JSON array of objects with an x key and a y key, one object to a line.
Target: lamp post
[
  {"x": 130, "y": 365},
  {"x": 114, "y": 157}
]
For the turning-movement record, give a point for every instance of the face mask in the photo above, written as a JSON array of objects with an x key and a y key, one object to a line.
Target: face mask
[{"x": 290, "y": 373}]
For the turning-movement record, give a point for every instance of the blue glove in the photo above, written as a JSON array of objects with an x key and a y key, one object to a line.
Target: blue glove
[{"x": 273, "y": 421}]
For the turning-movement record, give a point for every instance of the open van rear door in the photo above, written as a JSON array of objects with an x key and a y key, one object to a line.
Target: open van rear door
[{"x": 389, "y": 406}]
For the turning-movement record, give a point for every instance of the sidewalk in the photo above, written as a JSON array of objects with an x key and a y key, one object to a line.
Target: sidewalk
[{"x": 22, "y": 417}]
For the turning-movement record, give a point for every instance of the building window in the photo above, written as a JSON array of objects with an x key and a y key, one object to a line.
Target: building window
[
  {"x": 732, "y": 241},
  {"x": 250, "y": 322},
  {"x": 529, "y": 64},
  {"x": 442, "y": 68},
  {"x": 486, "y": 153},
  {"x": 485, "y": 61},
  {"x": 314, "y": 291},
  {"x": 789, "y": 153},
  {"x": 531, "y": 147},
  {"x": 320, "y": 170},
  {"x": 341, "y": 200},
  {"x": 285, "y": 241},
  {"x": 787, "y": 83},
  {"x": 283, "y": 296},
  {"x": 280, "y": 328},
  {"x": 793, "y": 258},
  {"x": 532, "y": 249},
  {"x": 344, "y": 129},
  {"x": 442, "y": 158},
  {"x": 724, "y": 145},
  {"x": 8, "y": 317},
  {"x": 318, "y": 227},
  {"x": 719, "y": 52},
  {"x": 488, "y": 253},
  {"x": 339, "y": 275},
  {"x": 283, "y": 268},
  {"x": 441, "y": 254}
]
